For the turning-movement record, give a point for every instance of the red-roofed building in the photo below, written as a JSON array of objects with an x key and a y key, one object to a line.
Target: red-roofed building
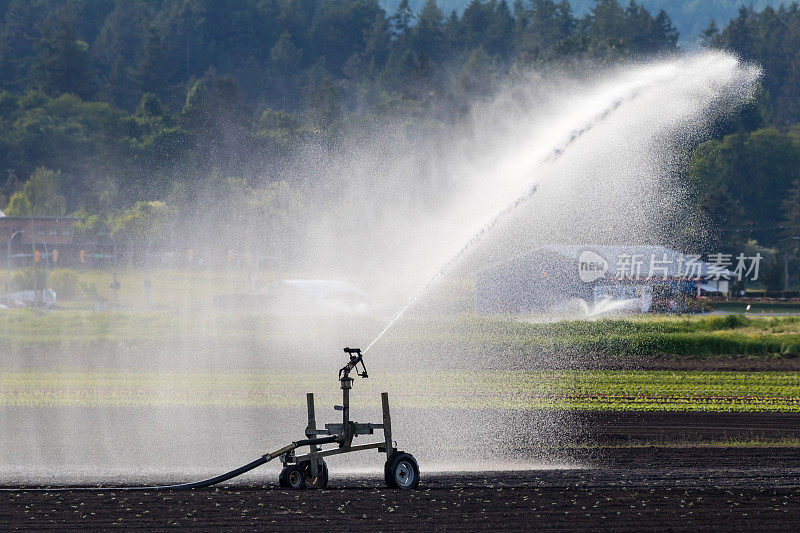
[{"x": 37, "y": 230}]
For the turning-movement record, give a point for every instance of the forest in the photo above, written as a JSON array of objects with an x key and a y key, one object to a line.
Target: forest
[{"x": 120, "y": 112}]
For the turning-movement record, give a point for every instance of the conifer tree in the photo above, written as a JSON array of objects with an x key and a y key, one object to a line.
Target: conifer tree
[{"x": 62, "y": 62}]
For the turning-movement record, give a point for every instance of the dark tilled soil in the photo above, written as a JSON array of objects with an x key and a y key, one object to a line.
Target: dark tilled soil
[
  {"x": 470, "y": 508},
  {"x": 623, "y": 428},
  {"x": 636, "y": 488}
]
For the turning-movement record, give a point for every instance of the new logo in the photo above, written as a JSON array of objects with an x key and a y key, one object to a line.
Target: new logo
[{"x": 591, "y": 266}]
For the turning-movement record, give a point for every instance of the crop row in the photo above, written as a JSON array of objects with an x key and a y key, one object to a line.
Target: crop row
[{"x": 594, "y": 390}]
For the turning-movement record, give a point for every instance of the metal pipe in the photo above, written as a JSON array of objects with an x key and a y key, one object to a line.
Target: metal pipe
[
  {"x": 311, "y": 431},
  {"x": 339, "y": 451},
  {"x": 345, "y": 409},
  {"x": 387, "y": 424},
  {"x": 311, "y": 428},
  {"x": 314, "y": 442}
]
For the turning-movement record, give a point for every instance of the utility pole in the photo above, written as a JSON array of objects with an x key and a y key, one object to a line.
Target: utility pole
[
  {"x": 785, "y": 271},
  {"x": 786, "y": 265},
  {"x": 115, "y": 284},
  {"x": 8, "y": 260},
  {"x": 147, "y": 284},
  {"x": 34, "y": 231},
  {"x": 35, "y": 284},
  {"x": 46, "y": 268}
]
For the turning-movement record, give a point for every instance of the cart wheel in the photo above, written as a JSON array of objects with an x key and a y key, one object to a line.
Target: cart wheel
[
  {"x": 319, "y": 482},
  {"x": 282, "y": 481},
  {"x": 401, "y": 471},
  {"x": 291, "y": 477}
]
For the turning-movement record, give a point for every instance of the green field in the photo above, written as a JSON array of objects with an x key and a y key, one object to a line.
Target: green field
[
  {"x": 49, "y": 334},
  {"x": 43, "y": 341},
  {"x": 578, "y": 390},
  {"x": 179, "y": 313}
]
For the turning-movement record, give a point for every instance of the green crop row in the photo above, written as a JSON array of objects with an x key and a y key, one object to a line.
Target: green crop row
[{"x": 573, "y": 390}]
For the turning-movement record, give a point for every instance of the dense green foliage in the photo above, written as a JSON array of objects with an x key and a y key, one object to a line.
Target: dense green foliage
[
  {"x": 770, "y": 38},
  {"x": 108, "y": 107},
  {"x": 742, "y": 177},
  {"x": 747, "y": 180},
  {"x": 130, "y": 101},
  {"x": 649, "y": 337}
]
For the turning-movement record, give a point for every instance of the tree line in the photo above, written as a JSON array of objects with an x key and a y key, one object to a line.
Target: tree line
[
  {"x": 110, "y": 103},
  {"x": 747, "y": 178},
  {"x": 109, "y": 107}
]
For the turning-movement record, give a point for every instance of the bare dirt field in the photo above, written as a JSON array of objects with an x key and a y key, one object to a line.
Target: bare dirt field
[
  {"x": 639, "y": 488},
  {"x": 658, "y": 428},
  {"x": 624, "y": 483}
]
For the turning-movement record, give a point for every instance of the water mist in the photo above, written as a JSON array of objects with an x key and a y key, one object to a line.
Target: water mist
[{"x": 410, "y": 216}]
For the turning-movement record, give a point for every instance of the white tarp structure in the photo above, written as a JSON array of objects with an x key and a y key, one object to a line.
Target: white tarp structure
[{"x": 643, "y": 277}]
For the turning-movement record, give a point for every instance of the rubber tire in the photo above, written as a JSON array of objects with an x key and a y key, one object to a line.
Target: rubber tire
[
  {"x": 291, "y": 477},
  {"x": 390, "y": 470},
  {"x": 282, "y": 482},
  {"x": 308, "y": 481}
]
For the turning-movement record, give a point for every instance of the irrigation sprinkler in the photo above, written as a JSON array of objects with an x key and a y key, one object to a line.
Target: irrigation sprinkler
[{"x": 308, "y": 470}]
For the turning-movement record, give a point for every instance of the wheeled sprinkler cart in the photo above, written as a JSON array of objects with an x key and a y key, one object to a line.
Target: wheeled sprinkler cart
[{"x": 309, "y": 471}]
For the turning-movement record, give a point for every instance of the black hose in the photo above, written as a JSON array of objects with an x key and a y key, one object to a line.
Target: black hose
[
  {"x": 180, "y": 486},
  {"x": 197, "y": 484},
  {"x": 211, "y": 481}
]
